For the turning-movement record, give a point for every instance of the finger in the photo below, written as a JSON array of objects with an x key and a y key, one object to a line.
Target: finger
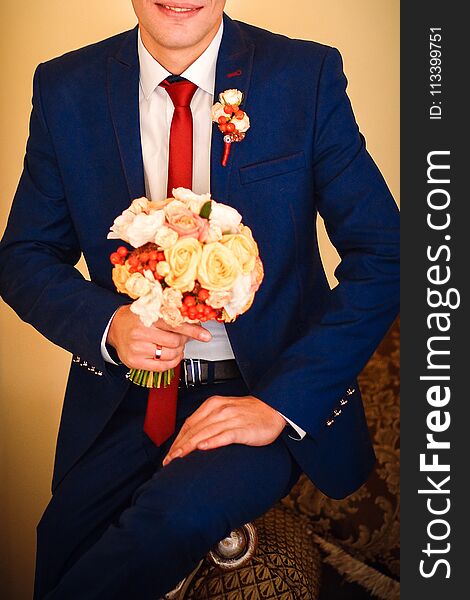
[
  {"x": 140, "y": 350},
  {"x": 150, "y": 364},
  {"x": 225, "y": 438},
  {"x": 183, "y": 449},
  {"x": 214, "y": 406},
  {"x": 201, "y": 414},
  {"x": 146, "y": 351},
  {"x": 188, "y": 433},
  {"x": 164, "y": 338},
  {"x": 195, "y": 332}
]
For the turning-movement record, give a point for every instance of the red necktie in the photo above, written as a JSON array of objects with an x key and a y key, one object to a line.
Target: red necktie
[{"x": 160, "y": 416}]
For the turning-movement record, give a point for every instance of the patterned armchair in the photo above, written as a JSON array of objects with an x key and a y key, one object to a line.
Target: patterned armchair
[{"x": 308, "y": 534}]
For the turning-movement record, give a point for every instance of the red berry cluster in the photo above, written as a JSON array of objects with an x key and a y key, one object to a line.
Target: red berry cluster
[
  {"x": 195, "y": 307},
  {"x": 119, "y": 257},
  {"x": 147, "y": 257},
  {"x": 225, "y": 123},
  {"x": 140, "y": 259}
]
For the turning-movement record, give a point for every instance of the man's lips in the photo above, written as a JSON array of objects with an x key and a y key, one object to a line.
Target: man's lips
[{"x": 180, "y": 9}]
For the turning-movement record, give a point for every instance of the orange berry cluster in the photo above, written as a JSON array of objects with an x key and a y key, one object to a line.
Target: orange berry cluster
[
  {"x": 147, "y": 257},
  {"x": 140, "y": 259},
  {"x": 195, "y": 307},
  {"x": 225, "y": 122}
]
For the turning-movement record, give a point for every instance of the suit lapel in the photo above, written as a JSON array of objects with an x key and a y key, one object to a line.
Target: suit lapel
[
  {"x": 234, "y": 66},
  {"x": 233, "y": 70},
  {"x": 123, "y": 95}
]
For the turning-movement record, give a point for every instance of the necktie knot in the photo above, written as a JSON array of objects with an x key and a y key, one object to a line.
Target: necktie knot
[{"x": 180, "y": 91}]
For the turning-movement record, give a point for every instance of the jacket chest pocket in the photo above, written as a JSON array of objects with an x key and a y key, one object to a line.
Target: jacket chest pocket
[{"x": 272, "y": 168}]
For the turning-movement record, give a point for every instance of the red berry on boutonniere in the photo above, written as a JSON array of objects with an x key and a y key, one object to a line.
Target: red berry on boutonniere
[{"x": 231, "y": 120}]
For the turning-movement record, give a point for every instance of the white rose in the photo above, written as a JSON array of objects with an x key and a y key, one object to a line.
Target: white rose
[
  {"x": 217, "y": 111},
  {"x": 225, "y": 217},
  {"x": 140, "y": 205},
  {"x": 213, "y": 234},
  {"x": 233, "y": 97},
  {"x": 241, "y": 295},
  {"x": 144, "y": 228},
  {"x": 192, "y": 201},
  {"x": 242, "y": 125},
  {"x": 119, "y": 228},
  {"x": 137, "y": 222},
  {"x": 175, "y": 206},
  {"x": 166, "y": 237},
  {"x": 148, "y": 307}
]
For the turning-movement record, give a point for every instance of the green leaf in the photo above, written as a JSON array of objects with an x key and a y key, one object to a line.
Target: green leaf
[{"x": 206, "y": 209}]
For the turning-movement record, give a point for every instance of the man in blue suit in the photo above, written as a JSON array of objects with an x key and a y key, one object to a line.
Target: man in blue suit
[{"x": 274, "y": 393}]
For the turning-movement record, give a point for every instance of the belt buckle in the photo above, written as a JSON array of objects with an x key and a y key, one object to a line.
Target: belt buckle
[{"x": 192, "y": 366}]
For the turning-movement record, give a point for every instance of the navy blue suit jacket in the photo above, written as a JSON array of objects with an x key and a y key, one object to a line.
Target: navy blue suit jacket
[{"x": 301, "y": 346}]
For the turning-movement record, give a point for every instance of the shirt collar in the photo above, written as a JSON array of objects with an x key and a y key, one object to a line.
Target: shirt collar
[{"x": 201, "y": 72}]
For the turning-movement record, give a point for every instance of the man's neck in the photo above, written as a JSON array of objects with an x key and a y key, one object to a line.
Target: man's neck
[{"x": 176, "y": 60}]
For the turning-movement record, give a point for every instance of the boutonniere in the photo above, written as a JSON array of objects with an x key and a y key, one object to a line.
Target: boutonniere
[{"x": 232, "y": 121}]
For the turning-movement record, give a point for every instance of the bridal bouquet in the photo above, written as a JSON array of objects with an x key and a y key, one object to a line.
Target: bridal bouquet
[{"x": 192, "y": 261}]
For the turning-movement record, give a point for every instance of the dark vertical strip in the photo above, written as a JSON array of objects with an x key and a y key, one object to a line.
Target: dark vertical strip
[{"x": 435, "y": 399}]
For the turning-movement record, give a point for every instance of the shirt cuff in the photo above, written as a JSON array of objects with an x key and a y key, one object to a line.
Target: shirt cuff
[
  {"x": 298, "y": 430},
  {"x": 104, "y": 351}
]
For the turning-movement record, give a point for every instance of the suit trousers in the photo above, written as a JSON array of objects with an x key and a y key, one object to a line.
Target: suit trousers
[{"x": 121, "y": 526}]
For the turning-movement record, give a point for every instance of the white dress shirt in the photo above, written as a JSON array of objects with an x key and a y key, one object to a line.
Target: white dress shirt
[{"x": 156, "y": 112}]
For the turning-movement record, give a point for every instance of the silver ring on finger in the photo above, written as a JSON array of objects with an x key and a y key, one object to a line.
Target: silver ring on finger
[{"x": 158, "y": 352}]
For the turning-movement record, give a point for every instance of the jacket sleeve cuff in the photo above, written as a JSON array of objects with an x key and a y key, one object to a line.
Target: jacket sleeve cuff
[
  {"x": 105, "y": 349},
  {"x": 298, "y": 430}
]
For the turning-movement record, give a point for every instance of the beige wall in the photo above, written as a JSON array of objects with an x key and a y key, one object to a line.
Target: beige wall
[{"x": 33, "y": 371}]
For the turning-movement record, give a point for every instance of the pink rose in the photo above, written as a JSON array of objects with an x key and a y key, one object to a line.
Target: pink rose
[{"x": 186, "y": 223}]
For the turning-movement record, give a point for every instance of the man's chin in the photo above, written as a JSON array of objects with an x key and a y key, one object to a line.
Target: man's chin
[{"x": 179, "y": 40}]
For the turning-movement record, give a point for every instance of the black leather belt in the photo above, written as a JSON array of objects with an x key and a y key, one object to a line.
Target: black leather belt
[{"x": 196, "y": 371}]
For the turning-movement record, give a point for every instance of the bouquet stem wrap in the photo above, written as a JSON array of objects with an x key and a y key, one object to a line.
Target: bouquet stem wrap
[{"x": 151, "y": 379}]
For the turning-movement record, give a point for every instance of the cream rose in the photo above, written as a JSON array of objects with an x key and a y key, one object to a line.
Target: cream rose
[
  {"x": 218, "y": 299},
  {"x": 163, "y": 268},
  {"x": 218, "y": 268},
  {"x": 137, "y": 285},
  {"x": 257, "y": 275},
  {"x": 217, "y": 111},
  {"x": 232, "y": 97},
  {"x": 242, "y": 125},
  {"x": 166, "y": 237},
  {"x": 244, "y": 248},
  {"x": 170, "y": 310},
  {"x": 148, "y": 307},
  {"x": 183, "y": 259},
  {"x": 225, "y": 217},
  {"x": 120, "y": 274},
  {"x": 242, "y": 296},
  {"x": 174, "y": 206},
  {"x": 172, "y": 297},
  {"x": 172, "y": 316}
]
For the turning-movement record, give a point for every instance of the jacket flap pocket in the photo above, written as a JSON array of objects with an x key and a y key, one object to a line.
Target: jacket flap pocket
[{"x": 273, "y": 167}]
